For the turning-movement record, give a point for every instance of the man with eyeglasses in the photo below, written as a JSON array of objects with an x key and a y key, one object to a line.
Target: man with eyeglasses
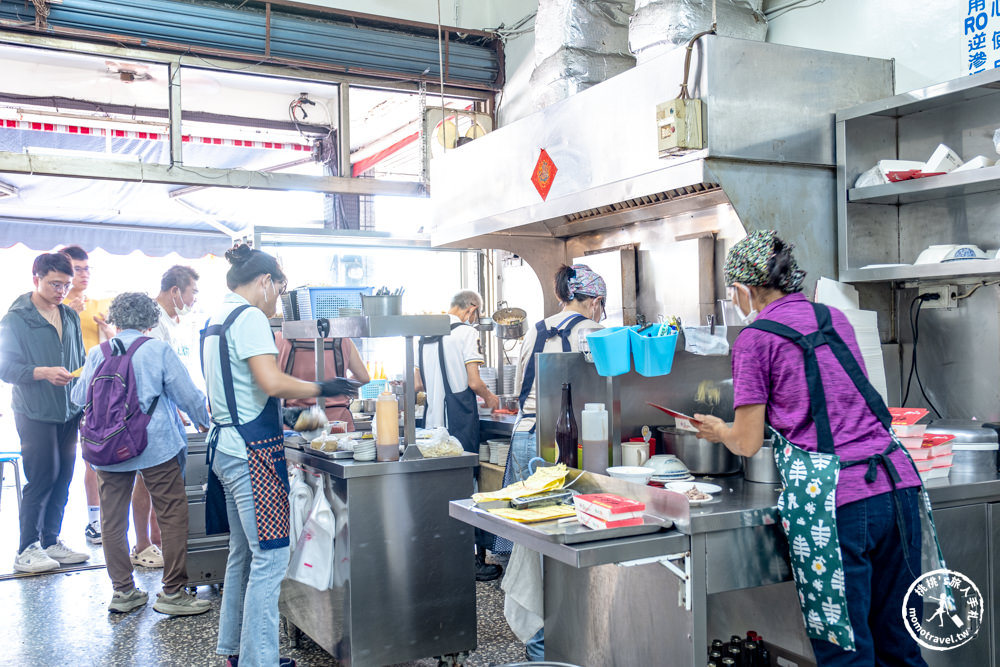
[
  {"x": 95, "y": 330},
  {"x": 40, "y": 347}
]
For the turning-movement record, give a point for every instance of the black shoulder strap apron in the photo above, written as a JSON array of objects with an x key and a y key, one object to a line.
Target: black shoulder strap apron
[
  {"x": 264, "y": 438},
  {"x": 827, "y": 335},
  {"x": 461, "y": 413},
  {"x": 542, "y": 335}
]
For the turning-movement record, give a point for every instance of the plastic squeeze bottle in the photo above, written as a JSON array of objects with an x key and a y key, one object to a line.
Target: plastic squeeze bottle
[
  {"x": 386, "y": 427},
  {"x": 594, "y": 437}
]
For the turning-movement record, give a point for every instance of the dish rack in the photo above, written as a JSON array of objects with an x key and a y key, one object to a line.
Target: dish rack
[
  {"x": 372, "y": 389},
  {"x": 316, "y": 302}
]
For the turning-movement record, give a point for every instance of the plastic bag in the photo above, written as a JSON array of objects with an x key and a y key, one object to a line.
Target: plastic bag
[
  {"x": 701, "y": 341},
  {"x": 440, "y": 444},
  {"x": 311, "y": 563},
  {"x": 300, "y": 501}
]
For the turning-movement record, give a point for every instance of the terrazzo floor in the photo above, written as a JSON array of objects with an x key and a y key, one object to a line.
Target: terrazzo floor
[{"x": 62, "y": 619}]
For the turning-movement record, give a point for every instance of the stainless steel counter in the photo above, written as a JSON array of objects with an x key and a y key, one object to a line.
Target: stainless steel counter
[
  {"x": 404, "y": 578},
  {"x": 349, "y": 468},
  {"x": 728, "y": 572},
  {"x": 744, "y": 504}
]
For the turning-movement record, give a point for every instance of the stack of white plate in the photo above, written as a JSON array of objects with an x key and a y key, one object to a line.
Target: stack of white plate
[
  {"x": 484, "y": 452},
  {"x": 508, "y": 378},
  {"x": 498, "y": 451},
  {"x": 488, "y": 374},
  {"x": 364, "y": 450}
]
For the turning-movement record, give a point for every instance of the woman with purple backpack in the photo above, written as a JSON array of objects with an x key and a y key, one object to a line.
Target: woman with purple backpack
[{"x": 134, "y": 369}]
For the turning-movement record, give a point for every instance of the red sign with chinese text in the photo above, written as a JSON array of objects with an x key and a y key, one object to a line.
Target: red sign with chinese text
[{"x": 544, "y": 174}]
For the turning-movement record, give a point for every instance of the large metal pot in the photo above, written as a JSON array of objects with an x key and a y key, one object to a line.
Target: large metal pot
[
  {"x": 508, "y": 323},
  {"x": 761, "y": 467},
  {"x": 702, "y": 457}
]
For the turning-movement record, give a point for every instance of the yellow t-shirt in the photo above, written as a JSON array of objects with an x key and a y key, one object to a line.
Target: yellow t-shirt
[{"x": 88, "y": 327}]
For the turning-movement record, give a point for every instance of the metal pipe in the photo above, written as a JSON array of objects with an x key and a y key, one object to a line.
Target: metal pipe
[{"x": 175, "y": 114}]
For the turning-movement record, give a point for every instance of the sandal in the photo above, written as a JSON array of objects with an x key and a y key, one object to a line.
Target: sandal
[{"x": 151, "y": 556}]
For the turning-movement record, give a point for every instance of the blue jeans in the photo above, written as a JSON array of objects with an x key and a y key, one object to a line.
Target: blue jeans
[
  {"x": 878, "y": 569},
  {"x": 249, "y": 620}
]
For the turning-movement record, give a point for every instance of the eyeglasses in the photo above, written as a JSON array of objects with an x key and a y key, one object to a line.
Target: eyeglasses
[
  {"x": 81, "y": 269},
  {"x": 58, "y": 286}
]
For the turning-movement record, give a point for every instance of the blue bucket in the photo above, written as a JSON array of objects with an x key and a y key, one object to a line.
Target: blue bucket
[
  {"x": 610, "y": 349},
  {"x": 653, "y": 355}
]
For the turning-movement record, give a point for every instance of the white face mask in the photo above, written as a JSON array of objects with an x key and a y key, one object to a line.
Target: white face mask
[
  {"x": 182, "y": 309},
  {"x": 272, "y": 305},
  {"x": 746, "y": 318}
]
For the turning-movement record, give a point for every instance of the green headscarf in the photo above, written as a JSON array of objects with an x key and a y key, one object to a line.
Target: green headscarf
[{"x": 748, "y": 261}]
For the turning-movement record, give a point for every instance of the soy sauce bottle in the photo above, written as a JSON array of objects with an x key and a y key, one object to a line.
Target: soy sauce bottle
[{"x": 567, "y": 435}]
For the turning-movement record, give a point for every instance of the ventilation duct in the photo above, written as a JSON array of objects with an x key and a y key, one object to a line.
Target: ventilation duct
[
  {"x": 578, "y": 43},
  {"x": 658, "y": 26},
  {"x": 354, "y": 48}
]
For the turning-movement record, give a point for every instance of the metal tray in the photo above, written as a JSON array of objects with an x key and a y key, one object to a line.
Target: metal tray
[{"x": 573, "y": 533}]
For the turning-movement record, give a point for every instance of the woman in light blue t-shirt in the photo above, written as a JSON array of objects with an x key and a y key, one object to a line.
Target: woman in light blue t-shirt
[{"x": 248, "y": 485}]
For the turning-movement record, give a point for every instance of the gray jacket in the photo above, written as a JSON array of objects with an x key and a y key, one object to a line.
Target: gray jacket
[{"x": 27, "y": 341}]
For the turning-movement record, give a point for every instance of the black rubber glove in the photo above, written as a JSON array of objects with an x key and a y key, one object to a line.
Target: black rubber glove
[
  {"x": 290, "y": 415},
  {"x": 339, "y": 387}
]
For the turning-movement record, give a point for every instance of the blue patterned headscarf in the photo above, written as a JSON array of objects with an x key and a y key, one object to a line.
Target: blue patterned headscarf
[{"x": 586, "y": 282}]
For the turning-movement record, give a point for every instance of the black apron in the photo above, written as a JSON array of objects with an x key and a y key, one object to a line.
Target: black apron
[
  {"x": 264, "y": 438},
  {"x": 461, "y": 412},
  {"x": 542, "y": 335}
]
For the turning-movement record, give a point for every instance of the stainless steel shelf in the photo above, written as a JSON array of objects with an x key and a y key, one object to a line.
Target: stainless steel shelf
[
  {"x": 375, "y": 326},
  {"x": 955, "y": 91},
  {"x": 964, "y": 269},
  {"x": 924, "y": 189}
]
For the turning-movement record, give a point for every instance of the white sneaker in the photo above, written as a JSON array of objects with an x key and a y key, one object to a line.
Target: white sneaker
[
  {"x": 62, "y": 554},
  {"x": 34, "y": 559}
]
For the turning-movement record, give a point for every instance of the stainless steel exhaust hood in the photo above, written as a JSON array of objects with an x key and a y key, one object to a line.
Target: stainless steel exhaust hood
[{"x": 769, "y": 153}]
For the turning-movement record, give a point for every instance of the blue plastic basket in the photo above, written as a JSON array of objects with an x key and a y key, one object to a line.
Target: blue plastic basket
[
  {"x": 653, "y": 355},
  {"x": 317, "y": 302},
  {"x": 610, "y": 350},
  {"x": 372, "y": 389}
]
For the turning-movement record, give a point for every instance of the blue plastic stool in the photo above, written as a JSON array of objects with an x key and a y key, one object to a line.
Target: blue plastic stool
[{"x": 13, "y": 458}]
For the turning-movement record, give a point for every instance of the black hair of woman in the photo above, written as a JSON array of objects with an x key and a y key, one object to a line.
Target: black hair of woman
[
  {"x": 562, "y": 278},
  {"x": 780, "y": 265},
  {"x": 247, "y": 264}
]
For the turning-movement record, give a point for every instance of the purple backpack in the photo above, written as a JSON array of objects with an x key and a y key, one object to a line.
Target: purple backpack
[{"x": 113, "y": 427}]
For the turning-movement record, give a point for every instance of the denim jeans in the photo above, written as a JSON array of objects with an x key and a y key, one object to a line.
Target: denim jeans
[
  {"x": 878, "y": 569},
  {"x": 249, "y": 620}
]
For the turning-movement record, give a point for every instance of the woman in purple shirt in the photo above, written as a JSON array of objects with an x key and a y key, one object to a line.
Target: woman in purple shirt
[{"x": 879, "y": 529}]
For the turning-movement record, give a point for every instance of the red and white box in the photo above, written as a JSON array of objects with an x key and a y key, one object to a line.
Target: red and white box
[
  {"x": 608, "y": 506},
  {"x": 597, "y": 523},
  {"x": 904, "y": 422}
]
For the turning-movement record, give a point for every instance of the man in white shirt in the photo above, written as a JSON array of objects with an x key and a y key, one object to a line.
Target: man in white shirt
[
  {"x": 178, "y": 292},
  {"x": 462, "y": 358},
  {"x": 451, "y": 396}
]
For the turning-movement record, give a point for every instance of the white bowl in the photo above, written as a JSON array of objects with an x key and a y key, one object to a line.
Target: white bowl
[
  {"x": 635, "y": 474},
  {"x": 961, "y": 252},
  {"x": 664, "y": 464}
]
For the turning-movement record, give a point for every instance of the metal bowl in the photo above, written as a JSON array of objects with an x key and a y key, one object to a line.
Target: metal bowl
[
  {"x": 508, "y": 323},
  {"x": 702, "y": 457}
]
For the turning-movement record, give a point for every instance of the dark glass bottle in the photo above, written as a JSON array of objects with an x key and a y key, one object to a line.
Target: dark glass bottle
[{"x": 567, "y": 435}]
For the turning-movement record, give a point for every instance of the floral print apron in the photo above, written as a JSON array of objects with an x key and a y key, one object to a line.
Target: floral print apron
[{"x": 808, "y": 502}]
